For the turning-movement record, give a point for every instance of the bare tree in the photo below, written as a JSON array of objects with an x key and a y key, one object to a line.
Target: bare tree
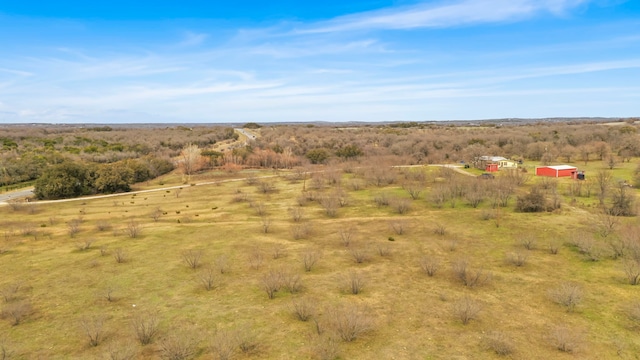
[
  {"x": 466, "y": 309},
  {"x": 631, "y": 269},
  {"x": 192, "y": 257},
  {"x": 17, "y": 311},
  {"x": 120, "y": 255},
  {"x": 413, "y": 189},
  {"x": 517, "y": 258},
  {"x": 179, "y": 345},
  {"x": 256, "y": 258},
  {"x": 359, "y": 253},
  {"x": 567, "y": 294},
  {"x": 346, "y": 235},
  {"x": 10, "y": 292},
  {"x": 297, "y": 213},
  {"x": 467, "y": 276},
  {"x": 565, "y": 339},
  {"x": 303, "y": 308},
  {"x": 271, "y": 282},
  {"x": 266, "y": 224},
  {"x": 356, "y": 282},
  {"x": 603, "y": 181},
  {"x": 190, "y": 160},
  {"x": 291, "y": 281},
  {"x": 350, "y": 322},
  {"x": 222, "y": 264},
  {"x": 145, "y": 326},
  {"x": 499, "y": 343},
  {"x": 122, "y": 351},
  {"x": 133, "y": 229},
  {"x": 208, "y": 278},
  {"x": 310, "y": 257},
  {"x": 93, "y": 329},
  {"x": 224, "y": 344},
  {"x": 429, "y": 265}
]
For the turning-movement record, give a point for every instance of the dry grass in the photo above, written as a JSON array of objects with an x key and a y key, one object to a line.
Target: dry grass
[{"x": 398, "y": 301}]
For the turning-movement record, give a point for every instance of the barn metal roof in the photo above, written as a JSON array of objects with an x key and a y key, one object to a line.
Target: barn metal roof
[{"x": 560, "y": 167}]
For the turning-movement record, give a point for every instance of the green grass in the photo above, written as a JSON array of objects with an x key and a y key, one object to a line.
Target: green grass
[{"x": 411, "y": 312}]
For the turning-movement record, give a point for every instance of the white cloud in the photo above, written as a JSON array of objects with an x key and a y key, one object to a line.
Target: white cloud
[
  {"x": 444, "y": 14},
  {"x": 193, "y": 39}
]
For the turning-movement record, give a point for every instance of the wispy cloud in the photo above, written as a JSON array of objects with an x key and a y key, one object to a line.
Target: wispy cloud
[
  {"x": 444, "y": 14},
  {"x": 15, "y": 72},
  {"x": 193, "y": 39}
]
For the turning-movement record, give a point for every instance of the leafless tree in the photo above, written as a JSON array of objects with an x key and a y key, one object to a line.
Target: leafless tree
[
  {"x": 631, "y": 269},
  {"x": 356, "y": 282},
  {"x": 179, "y": 345},
  {"x": 310, "y": 257},
  {"x": 291, "y": 281},
  {"x": 350, "y": 322},
  {"x": 528, "y": 241},
  {"x": 469, "y": 277},
  {"x": 466, "y": 309},
  {"x": 266, "y": 224},
  {"x": 133, "y": 229},
  {"x": 517, "y": 258},
  {"x": 603, "y": 180},
  {"x": 325, "y": 348},
  {"x": 17, "y": 311},
  {"x": 346, "y": 235},
  {"x": 190, "y": 160},
  {"x": 330, "y": 205},
  {"x": 192, "y": 257},
  {"x": 301, "y": 230},
  {"x": 359, "y": 253},
  {"x": 256, "y": 258},
  {"x": 430, "y": 265},
  {"x": 224, "y": 344},
  {"x": 85, "y": 245},
  {"x": 400, "y": 205},
  {"x": 303, "y": 308},
  {"x": 93, "y": 329},
  {"x": 120, "y": 255},
  {"x": 413, "y": 189},
  {"x": 398, "y": 226},
  {"x": 10, "y": 291},
  {"x": 565, "y": 339},
  {"x": 271, "y": 282},
  {"x": 278, "y": 251},
  {"x": 122, "y": 351},
  {"x": 499, "y": 343},
  {"x": 222, "y": 264},
  {"x": 145, "y": 326},
  {"x": 73, "y": 226},
  {"x": 208, "y": 278},
  {"x": 103, "y": 225},
  {"x": 6, "y": 353},
  {"x": 567, "y": 294},
  {"x": 155, "y": 215},
  {"x": 297, "y": 214}
]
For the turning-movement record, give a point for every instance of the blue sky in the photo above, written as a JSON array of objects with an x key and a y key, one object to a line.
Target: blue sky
[{"x": 362, "y": 60}]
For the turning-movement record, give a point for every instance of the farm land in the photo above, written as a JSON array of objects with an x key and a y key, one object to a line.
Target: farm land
[{"x": 325, "y": 242}]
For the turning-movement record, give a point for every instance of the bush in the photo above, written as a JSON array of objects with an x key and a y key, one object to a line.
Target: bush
[
  {"x": 145, "y": 327},
  {"x": 534, "y": 201},
  {"x": 567, "y": 294},
  {"x": 429, "y": 265},
  {"x": 303, "y": 308},
  {"x": 350, "y": 322},
  {"x": 565, "y": 339},
  {"x": 466, "y": 309},
  {"x": 92, "y": 328},
  {"x": 499, "y": 343}
]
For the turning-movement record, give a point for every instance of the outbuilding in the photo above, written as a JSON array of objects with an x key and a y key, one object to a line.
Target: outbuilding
[{"x": 557, "y": 171}]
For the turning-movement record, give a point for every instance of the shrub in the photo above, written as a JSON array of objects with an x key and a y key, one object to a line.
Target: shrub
[
  {"x": 310, "y": 258},
  {"x": 145, "y": 327},
  {"x": 16, "y": 312},
  {"x": 350, "y": 322},
  {"x": 325, "y": 348},
  {"x": 565, "y": 339},
  {"x": 92, "y": 328},
  {"x": 355, "y": 282},
  {"x": 518, "y": 258},
  {"x": 120, "y": 255},
  {"x": 256, "y": 258},
  {"x": 567, "y": 294},
  {"x": 303, "y": 308},
  {"x": 346, "y": 236},
  {"x": 499, "y": 343},
  {"x": 192, "y": 258},
  {"x": 178, "y": 346},
  {"x": 291, "y": 281},
  {"x": 359, "y": 254},
  {"x": 429, "y": 265},
  {"x": 534, "y": 201},
  {"x": 208, "y": 278},
  {"x": 468, "y": 277},
  {"x": 466, "y": 309},
  {"x": 224, "y": 344},
  {"x": 271, "y": 282}
]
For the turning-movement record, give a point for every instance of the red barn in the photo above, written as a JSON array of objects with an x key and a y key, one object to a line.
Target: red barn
[
  {"x": 491, "y": 168},
  {"x": 557, "y": 171}
]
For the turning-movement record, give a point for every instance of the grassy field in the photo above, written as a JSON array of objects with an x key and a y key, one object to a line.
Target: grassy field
[{"x": 59, "y": 262}]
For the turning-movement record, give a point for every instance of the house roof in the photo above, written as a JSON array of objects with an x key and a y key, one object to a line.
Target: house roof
[
  {"x": 492, "y": 158},
  {"x": 560, "y": 167}
]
